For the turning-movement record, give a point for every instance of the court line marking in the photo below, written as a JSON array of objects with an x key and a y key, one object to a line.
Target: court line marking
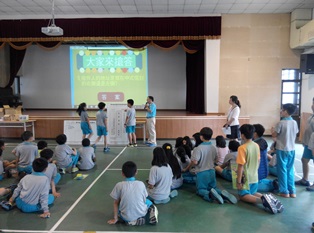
[
  {"x": 84, "y": 193},
  {"x": 119, "y": 169},
  {"x": 30, "y": 231}
]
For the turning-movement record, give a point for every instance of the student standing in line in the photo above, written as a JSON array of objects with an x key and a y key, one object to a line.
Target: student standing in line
[
  {"x": 150, "y": 108},
  {"x": 85, "y": 124},
  {"x": 285, "y": 131},
  {"x": 130, "y": 123},
  {"x": 233, "y": 117},
  {"x": 130, "y": 199},
  {"x": 102, "y": 126},
  {"x": 307, "y": 153}
]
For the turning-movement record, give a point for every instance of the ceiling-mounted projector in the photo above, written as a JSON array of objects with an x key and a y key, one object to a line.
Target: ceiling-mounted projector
[{"x": 52, "y": 29}]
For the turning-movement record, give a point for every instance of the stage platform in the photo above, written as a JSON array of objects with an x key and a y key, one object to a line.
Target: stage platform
[{"x": 169, "y": 124}]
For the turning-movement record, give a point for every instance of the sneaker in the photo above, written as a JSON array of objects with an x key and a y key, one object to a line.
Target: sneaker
[
  {"x": 269, "y": 204},
  {"x": 278, "y": 204},
  {"x": 129, "y": 145},
  {"x": 135, "y": 145},
  {"x": 302, "y": 182},
  {"x": 6, "y": 205},
  {"x": 138, "y": 222},
  {"x": 94, "y": 146},
  {"x": 229, "y": 197},
  {"x": 74, "y": 169},
  {"x": 62, "y": 171},
  {"x": 293, "y": 195},
  {"x": 310, "y": 188},
  {"x": 153, "y": 215},
  {"x": 173, "y": 193},
  {"x": 152, "y": 145},
  {"x": 214, "y": 195},
  {"x": 148, "y": 143},
  {"x": 106, "y": 149}
]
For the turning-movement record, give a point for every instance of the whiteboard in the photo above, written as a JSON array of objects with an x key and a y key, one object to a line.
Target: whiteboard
[
  {"x": 72, "y": 129},
  {"x": 116, "y": 130}
]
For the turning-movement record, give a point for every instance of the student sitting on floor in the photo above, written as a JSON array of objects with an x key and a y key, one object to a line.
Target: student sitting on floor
[
  {"x": 187, "y": 141},
  {"x": 203, "y": 159},
  {"x": 66, "y": 156},
  {"x": 6, "y": 167},
  {"x": 160, "y": 178},
  {"x": 26, "y": 152},
  {"x": 87, "y": 157},
  {"x": 185, "y": 165},
  {"x": 271, "y": 156},
  {"x": 224, "y": 170},
  {"x": 32, "y": 193},
  {"x": 51, "y": 171},
  {"x": 177, "y": 179},
  {"x": 247, "y": 172},
  {"x": 41, "y": 145},
  {"x": 222, "y": 150},
  {"x": 130, "y": 199}
]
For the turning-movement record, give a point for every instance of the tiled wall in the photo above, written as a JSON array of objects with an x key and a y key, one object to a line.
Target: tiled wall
[{"x": 254, "y": 50}]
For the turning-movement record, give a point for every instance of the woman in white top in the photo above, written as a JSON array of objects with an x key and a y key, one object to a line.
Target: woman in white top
[{"x": 233, "y": 117}]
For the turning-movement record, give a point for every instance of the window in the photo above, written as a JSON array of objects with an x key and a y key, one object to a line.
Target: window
[{"x": 291, "y": 88}]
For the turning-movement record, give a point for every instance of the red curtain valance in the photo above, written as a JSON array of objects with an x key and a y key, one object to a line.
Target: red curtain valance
[{"x": 139, "y": 29}]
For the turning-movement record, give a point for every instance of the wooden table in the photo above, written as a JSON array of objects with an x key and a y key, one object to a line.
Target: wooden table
[{"x": 19, "y": 124}]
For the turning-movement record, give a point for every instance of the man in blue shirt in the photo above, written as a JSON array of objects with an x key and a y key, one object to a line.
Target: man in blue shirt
[{"x": 150, "y": 108}]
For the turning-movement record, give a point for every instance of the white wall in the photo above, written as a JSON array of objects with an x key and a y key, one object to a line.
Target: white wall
[
  {"x": 307, "y": 92},
  {"x": 46, "y": 78}
]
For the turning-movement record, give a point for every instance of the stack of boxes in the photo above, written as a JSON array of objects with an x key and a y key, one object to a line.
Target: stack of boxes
[{"x": 10, "y": 114}]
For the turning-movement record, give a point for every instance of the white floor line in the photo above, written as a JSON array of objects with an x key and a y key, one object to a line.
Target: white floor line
[
  {"x": 119, "y": 169},
  {"x": 29, "y": 231},
  {"x": 83, "y": 194}
]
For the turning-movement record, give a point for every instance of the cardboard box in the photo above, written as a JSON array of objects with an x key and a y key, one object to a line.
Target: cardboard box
[
  {"x": 18, "y": 110},
  {"x": 1, "y": 112},
  {"x": 8, "y": 110},
  {"x": 7, "y": 117}
]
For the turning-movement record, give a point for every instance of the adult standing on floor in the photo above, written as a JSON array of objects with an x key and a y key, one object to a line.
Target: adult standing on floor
[
  {"x": 233, "y": 117},
  {"x": 150, "y": 108}
]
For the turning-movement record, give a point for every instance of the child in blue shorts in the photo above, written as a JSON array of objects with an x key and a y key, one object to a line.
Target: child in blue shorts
[
  {"x": 248, "y": 162},
  {"x": 130, "y": 200},
  {"x": 285, "y": 131},
  {"x": 307, "y": 153},
  {"x": 130, "y": 123},
  {"x": 102, "y": 128},
  {"x": 85, "y": 124}
]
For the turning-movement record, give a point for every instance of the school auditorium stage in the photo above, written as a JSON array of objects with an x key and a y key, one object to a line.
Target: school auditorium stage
[{"x": 169, "y": 124}]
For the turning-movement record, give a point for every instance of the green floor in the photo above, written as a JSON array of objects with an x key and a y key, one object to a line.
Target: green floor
[{"x": 85, "y": 205}]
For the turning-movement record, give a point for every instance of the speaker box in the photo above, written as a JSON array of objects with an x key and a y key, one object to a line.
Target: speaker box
[{"x": 307, "y": 63}]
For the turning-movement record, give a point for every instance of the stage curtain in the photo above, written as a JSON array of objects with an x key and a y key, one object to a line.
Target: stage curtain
[
  {"x": 136, "y": 44},
  {"x": 2, "y": 44},
  {"x": 195, "y": 90},
  {"x": 49, "y": 45},
  {"x": 20, "y": 45},
  {"x": 16, "y": 60}
]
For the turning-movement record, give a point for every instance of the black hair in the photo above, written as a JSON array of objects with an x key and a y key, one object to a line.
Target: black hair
[
  {"x": 40, "y": 164},
  {"x": 234, "y": 145},
  {"x": 42, "y": 144},
  {"x": 26, "y": 135},
  {"x": 181, "y": 153},
  {"x": 1, "y": 145},
  {"x": 173, "y": 162},
  {"x": 129, "y": 169},
  {"x": 188, "y": 150},
  {"x": 197, "y": 138},
  {"x": 247, "y": 130},
  {"x": 179, "y": 142},
  {"x": 130, "y": 101},
  {"x": 235, "y": 100},
  {"x": 207, "y": 133},
  {"x": 61, "y": 139},
  {"x": 259, "y": 130},
  {"x": 159, "y": 157},
  {"x": 151, "y": 98},
  {"x": 85, "y": 142},
  {"x": 80, "y": 108},
  {"x": 290, "y": 108},
  {"x": 188, "y": 141},
  {"x": 101, "y": 105},
  {"x": 46, "y": 153},
  {"x": 220, "y": 141}
]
